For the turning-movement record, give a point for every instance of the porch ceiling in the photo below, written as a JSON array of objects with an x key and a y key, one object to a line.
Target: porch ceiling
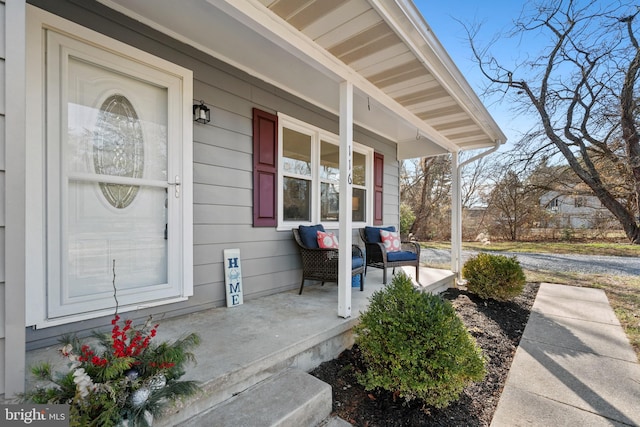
[{"x": 407, "y": 88}]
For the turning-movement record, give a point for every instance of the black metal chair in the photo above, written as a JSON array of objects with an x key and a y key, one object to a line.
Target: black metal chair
[
  {"x": 322, "y": 264},
  {"x": 378, "y": 257}
]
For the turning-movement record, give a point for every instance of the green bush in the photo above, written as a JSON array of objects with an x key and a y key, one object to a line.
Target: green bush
[
  {"x": 407, "y": 218},
  {"x": 568, "y": 234},
  {"x": 414, "y": 345},
  {"x": 494, "y": 276}
]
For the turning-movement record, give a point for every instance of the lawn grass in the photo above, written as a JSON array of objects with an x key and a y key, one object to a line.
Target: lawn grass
[{"x": 623, "y": 291}]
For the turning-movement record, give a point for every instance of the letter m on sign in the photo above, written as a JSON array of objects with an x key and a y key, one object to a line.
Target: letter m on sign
[{"x": 233, "y": 277}]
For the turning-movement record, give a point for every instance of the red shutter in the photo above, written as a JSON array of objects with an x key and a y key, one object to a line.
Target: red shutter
[
  {"x": 265, "y": 169},
  {"x": 378, "y": 181}
]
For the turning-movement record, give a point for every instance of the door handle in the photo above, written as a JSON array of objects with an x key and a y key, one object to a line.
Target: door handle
[{"x": 176, "y": 184}]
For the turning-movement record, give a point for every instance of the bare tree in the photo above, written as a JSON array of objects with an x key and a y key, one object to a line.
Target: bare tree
[
  {"x": 426, "y": 188},
  {"x": 474, "y": 176},
  {"x": 513, "y": 205},
  {"x": 584, "y": 90}
]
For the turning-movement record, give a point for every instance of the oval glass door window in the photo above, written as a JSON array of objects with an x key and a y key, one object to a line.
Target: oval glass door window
[{"x": 118, "y": 149}]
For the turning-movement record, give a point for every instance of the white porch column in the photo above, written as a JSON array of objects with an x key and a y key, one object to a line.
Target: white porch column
[
  {"x": 456, "y": 216},
  {"x": 346, "y": 181},
  {"x": 13, "y": 347},
  {"x": 456, "y": 206}
]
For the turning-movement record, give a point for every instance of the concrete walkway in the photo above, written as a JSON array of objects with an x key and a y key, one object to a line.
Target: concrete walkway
[{"x": 574, "y": 365}]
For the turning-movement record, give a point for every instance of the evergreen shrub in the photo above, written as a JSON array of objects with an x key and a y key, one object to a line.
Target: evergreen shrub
[
  {"x": 414, "y": 345},
  {"x": 494, "y": 276}
]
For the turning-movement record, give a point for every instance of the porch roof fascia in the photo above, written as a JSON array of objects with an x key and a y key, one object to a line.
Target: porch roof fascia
[
  {"x": 405, "y": 20},
  {"x": 276, "y": 30},
  {"x": 435, "y": 57}
]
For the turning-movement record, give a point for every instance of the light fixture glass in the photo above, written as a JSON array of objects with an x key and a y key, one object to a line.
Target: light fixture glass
[{"x": 201, "y": 113}]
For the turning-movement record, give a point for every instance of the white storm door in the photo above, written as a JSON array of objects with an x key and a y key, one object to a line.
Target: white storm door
[{"x": 113, "y": 181}]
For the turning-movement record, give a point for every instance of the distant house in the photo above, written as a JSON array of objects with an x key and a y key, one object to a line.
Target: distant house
[{"x": 575, "y": 211}]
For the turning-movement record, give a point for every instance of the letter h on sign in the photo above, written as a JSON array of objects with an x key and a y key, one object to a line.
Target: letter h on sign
[{"x": 233, "y": 277}]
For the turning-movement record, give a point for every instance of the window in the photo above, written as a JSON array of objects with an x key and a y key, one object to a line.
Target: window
[
  {"x": 358, "y": 201},
  {"x": 296, "y": 165},
  {"x": 329, "y": 181},
  {"x": 554, "y": 204},
  {"x": 310, "y": 176}
]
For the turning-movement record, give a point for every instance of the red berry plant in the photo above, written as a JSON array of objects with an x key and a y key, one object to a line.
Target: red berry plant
[
  {"x": 117, "y": 379},
  {"x": 120, "y": 376}
]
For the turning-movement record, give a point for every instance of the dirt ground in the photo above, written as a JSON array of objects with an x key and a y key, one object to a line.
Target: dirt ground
[{"x": 497, "y": 328}]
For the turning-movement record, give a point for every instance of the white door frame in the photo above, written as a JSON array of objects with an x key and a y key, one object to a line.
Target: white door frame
[{"x": 179, "y": 110}]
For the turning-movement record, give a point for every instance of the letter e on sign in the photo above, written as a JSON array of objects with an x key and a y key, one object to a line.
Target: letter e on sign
[{"x": 232, "y": 277}]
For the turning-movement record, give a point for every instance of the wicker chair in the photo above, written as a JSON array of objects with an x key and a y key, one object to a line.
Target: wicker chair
[
  {"x": 378, "y": 257},
  {"x": 322, "y": 264}
]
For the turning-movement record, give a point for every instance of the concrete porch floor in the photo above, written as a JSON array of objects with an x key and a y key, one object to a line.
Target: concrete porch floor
[{"x": 244, "y": 345}]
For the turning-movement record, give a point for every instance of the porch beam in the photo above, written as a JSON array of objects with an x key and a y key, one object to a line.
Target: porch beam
[{"x": 346, "y": 185}]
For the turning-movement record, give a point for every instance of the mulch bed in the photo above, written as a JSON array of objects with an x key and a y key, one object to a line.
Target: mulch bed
[{"x": 497, "y": 328}]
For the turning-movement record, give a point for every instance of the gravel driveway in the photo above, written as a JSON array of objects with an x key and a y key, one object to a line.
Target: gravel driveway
[{"x": 600, "y": 264}]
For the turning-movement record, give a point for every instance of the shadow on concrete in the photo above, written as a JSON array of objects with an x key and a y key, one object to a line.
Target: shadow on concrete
[{"x": 570, "y": 362}]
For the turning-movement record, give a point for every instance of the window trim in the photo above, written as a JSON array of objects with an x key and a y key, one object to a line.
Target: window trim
[{"x": 317, "y": 135}]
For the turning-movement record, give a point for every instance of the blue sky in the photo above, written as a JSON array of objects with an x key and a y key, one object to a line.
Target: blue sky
[{"x": 495, "y": 16}]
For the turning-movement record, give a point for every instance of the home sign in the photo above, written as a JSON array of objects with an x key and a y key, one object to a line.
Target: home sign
[{"x": 233, "y": 277}]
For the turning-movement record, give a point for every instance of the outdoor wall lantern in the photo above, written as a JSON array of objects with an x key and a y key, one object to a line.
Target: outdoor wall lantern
[{"x": 201, "y": 113}]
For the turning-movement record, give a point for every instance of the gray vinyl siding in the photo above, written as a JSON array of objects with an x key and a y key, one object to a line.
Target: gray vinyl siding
[
  {"x": 2, "y": 193},
  {"x": 222, "y": 170},
  {"x": 391, "y": 190}
]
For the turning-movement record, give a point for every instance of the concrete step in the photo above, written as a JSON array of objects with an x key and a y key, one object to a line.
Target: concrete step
[
  {"x": 438, "y": 288},
  {"x": 246, "y": 345},
  {"x": 291, "y": 398},
  {"x": 432, "y": 280},
  {"x": 261, "y": 339}
]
